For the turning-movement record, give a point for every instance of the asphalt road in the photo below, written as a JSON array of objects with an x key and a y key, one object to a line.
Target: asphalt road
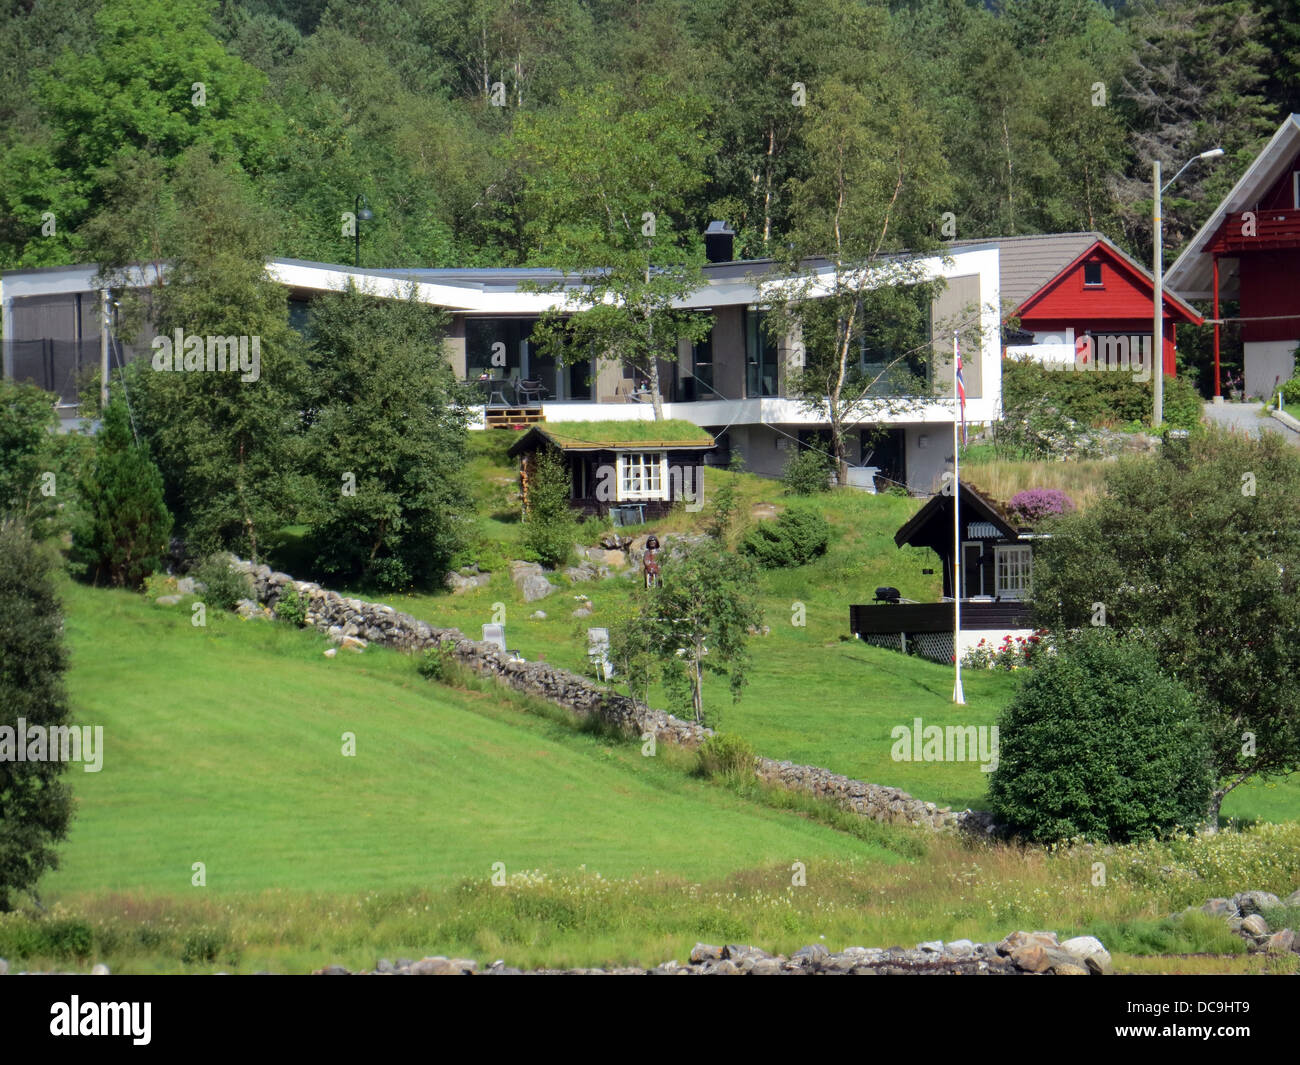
[{"x": 1245, "y": 417}]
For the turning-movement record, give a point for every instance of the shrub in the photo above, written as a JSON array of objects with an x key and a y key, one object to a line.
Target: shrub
[
  {"x": 1290, "y": 390},
  {"x": 1035, "y": 504},
  {"x": 793, "y": 539},
  {"x": 435, "y": 664},
  {"x": 807, "y": 472},
  {"x": 225, "y": 587},
  {"x": 1099, "y": 744},
  {"x": 723, "y": 755},
  {"x": 549, "y": 525},
  {"x": 124, "y": 525},
  {"x": 290, "y": 607},
  {"x": 35, "y": 803},
  {"x": 1011, "y": 654}
]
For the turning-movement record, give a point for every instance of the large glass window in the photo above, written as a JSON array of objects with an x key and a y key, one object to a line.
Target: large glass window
[
  {"x": 702, "y": 363},
  {"x": 642, "y": 475},
  {"x": 760, "y": 356},
  {"x": 1014, "y": 572},
  {"x": 497, "y": 347}
]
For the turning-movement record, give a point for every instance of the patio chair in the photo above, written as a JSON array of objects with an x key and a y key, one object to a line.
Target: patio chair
[{"x": 531, "y": 391}]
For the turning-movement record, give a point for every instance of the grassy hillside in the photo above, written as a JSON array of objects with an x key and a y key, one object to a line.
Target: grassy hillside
[
  {"x": 223, "y": 745},
  {"x": 815, "y": 696}
]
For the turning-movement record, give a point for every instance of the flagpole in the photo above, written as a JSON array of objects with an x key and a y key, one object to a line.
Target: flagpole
[{"x": 958, "y": 696}]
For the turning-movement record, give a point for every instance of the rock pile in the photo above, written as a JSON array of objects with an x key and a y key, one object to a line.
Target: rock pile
[
  {"x": 1258, "y": 917},
  {"x": 1019, "y": 954}
]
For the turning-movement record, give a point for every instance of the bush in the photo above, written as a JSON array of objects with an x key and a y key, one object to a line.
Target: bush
[
  {"x": 723, "y": 755},
  {"x": 290, "y": 607},
  {"x": 1290, "y": 390},
  {"x": 550, "y": 528},
  {"x": 1035, "y": 504},
  {"x": 807, "y": 472},
  {"x": 1099, "y": 744},
  {"x": 793, "y": 539},
  {"x": 35, "y": 803},
  {"x": 1011, "y": 654},
  {"x": 225, "y": 587},
  {"x": 435, "y": 664},
  {"x": 124, "y": 525}
]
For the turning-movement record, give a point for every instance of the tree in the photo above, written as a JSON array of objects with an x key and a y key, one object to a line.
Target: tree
[
  {"x": 226, "y": 441},
  {"x": 696, "y": 619},
  {"x": 1099, "y": 743},
  {"x": 1196, "y": 554},
  {"x": 35, "y": 803},
  {"x": 27, "y": 420},
  {"x": 124, "y": 525},
  {"x": 860, "y": 311},
  {"x": 549, "y": 528},
  {"x": 771, "y": 60},
  {"x": 386, "y": 445},
  {"x": 1195, "y": 81},
  {"x": 605, "y": 185}
]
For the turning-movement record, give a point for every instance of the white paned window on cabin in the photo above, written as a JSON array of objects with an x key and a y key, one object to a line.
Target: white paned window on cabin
[
  {"x": 643, "y": 475},
  {"x": 1014, "y": 572}
]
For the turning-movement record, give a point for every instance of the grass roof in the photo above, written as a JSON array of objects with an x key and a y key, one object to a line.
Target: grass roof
[{"x": 674, "y": 432}]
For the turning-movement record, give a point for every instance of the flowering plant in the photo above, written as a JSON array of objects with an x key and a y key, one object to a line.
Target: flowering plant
[{"x": 1011, "y": 654}]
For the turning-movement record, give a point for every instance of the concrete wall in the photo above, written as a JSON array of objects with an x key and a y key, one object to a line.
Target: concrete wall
[
  {"x": 928, "y": 450},
  {"x": 957, "y": 303}
]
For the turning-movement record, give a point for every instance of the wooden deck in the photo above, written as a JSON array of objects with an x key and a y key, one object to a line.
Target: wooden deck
[{"x": 937, "y": 617}]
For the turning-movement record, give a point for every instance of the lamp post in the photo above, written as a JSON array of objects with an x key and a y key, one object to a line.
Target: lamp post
[
  {"x": 1158, "y": 322},
  {"x": 361, "y": 213}
]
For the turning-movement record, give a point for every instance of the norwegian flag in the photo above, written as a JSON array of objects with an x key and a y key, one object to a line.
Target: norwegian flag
[{"x": 961, "y": 391}]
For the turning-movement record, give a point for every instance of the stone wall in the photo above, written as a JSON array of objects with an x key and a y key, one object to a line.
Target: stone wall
[{"x": 355, "y": 623}]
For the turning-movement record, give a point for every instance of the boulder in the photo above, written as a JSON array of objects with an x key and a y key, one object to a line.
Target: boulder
[
  {"x": 1254, "y": 925},
  {"x": 1017, "y": 940},
  {"x": 438, "y": 966},
  {"x": 1090, "y": 952},
  {"x": 330, "y": 652},
  {"x": 1031, "y": 957},
  {"x": 1063, "y": 963},
  {"x": 353, "y": 643},
  {"x": 534, "y": 587},
  {"x": 537, "y": 615},
  {"x": 99, "y": 969},
  {"x": 168, "y": 600},
  {"x": 703, "y": 952},
  {"x": 1249, "y": 902},
  {"x": 1282, "y": 942},
  {"x": 1220, "y": 908}
]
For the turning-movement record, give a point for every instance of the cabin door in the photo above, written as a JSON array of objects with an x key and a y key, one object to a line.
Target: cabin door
[{"x": 972, "y": 571}]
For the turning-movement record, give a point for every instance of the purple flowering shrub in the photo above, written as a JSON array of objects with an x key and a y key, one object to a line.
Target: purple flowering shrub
[{"x": 1035, "y": 504}]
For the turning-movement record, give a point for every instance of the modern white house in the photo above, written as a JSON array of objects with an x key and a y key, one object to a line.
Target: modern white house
[{"x": 733, "y": 385}]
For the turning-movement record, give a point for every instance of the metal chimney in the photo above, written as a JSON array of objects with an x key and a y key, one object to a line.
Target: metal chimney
[{"x": 719, "y": 242}]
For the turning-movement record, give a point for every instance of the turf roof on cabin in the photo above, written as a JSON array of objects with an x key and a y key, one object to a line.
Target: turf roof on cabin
[{"x": 581, "y": 436}]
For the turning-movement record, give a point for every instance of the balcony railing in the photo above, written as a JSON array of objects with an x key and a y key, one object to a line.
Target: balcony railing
[{"x": 1263, "y": 230}]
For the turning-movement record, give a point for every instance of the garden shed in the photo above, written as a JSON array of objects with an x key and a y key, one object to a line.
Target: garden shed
[{"x": 634, "y": 471}]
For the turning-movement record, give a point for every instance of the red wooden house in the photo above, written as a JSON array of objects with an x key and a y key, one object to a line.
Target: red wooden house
[
  {"x": 1249, "y": 250},
  {"x": 1067, "y": 287}
]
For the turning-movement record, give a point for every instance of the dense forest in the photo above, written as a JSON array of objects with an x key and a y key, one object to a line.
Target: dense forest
[{"x": 460, "y": 123}]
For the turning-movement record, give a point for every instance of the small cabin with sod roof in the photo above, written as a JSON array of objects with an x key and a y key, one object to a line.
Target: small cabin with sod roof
[
  {"x": 997, "y": 565},
  {"x": 633, "y": 471}
]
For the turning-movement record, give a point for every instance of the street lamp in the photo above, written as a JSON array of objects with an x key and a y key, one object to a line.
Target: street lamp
[
  {"x": 1158, "y": 325},
  {"x": 361, "y": 213}
]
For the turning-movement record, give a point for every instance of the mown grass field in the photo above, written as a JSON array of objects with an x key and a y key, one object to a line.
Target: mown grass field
[
  {"x": 814, "y": 695},
  {"x": 223, "y": 745}
]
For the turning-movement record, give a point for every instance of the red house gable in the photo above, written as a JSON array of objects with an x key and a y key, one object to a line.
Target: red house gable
[{"x": 1103, "y": 291}]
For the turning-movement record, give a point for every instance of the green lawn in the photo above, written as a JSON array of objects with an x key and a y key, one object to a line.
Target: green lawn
[
  {"x": 223, "y": 745},
  {"x": 814, "y": 695}
]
